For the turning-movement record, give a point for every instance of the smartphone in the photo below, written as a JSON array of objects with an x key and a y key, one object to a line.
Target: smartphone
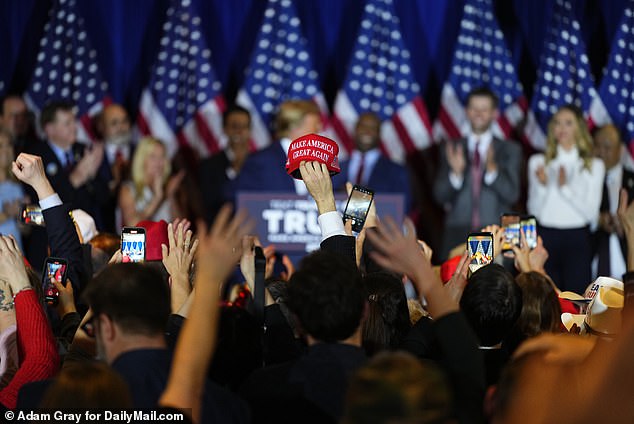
[
  {"x": 133, "y": 244},
  {"x": 358, "y": 206},
  {"x": 480, "y": 246},
  {"x": 53, "y": 268},
  {"x": 529, "y": 227},
  {"x": 511, "y": 224},
  {"x": 32, "y": 215}
]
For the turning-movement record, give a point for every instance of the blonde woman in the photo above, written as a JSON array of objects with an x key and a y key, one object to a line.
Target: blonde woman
[
  {"x": 564, "y": 193},
  {"x": 149, "y": 196}
]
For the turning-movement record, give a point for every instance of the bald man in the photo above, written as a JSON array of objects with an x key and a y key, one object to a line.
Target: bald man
[
  {"x": 610, "y": 242},
  {"x": 114, "y": 128}
]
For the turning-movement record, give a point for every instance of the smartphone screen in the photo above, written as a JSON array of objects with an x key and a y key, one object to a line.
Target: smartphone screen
[
  {"x": 358, "y": 206},
  {"x": 133, "y": 244},
  {"x": 480, "y": 246},
  {"x": 511, "y": 224},
  {"x": 53, "y": 268},
  {"x": 32, "y": 215},
  {"x": 529, "y": 226}
]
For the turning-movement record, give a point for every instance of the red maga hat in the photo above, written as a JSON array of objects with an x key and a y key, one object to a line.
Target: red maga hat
[{"x": 310, "y": 148}]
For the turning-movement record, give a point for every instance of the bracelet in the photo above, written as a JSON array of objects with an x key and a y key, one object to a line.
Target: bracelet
[{"x": 20, "y": 291}]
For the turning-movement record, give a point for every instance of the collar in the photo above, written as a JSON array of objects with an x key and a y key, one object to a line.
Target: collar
[
  {"x": 285, "y": 143},
  {"x": 59, "y": 152},
  {"x": 484, "y": 140},
  {"x": 564, "y": 155},
  {"x": 370, "y": 155}
]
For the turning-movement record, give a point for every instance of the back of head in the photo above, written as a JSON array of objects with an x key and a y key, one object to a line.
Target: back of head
[
  {"x": 326, "y": 295},
  {"x": 396, "y": 387},
  {"x": 540, "y": 305},
  {"x": 387, "y": 320},
  {"x": 291, "y": 113},
  {"x": 133, "y": 295},
  {"x": 91, "y": 385},
  {"x": 491, "y": 302}
]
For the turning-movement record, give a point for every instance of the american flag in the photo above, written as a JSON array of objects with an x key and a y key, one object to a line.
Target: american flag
[
  {"x": 67, "y": 68},
  {"x": 183, "y": 103},
  {"x": 481, "y": 59},
  {"x": 564, "y": 75},
  {"x": 617, "y": 86},
  {"x": 281, "y": 69},
  {"x": 380, "y": 80}
]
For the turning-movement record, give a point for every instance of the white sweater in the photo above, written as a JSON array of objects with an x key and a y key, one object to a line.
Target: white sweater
[{"x": 573, "y": 205}]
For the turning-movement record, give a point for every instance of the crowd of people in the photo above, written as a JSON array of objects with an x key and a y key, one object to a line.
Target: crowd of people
[{"x": 373, "y": 327}]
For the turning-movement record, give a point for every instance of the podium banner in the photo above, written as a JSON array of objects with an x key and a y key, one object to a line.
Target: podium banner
[{"x": 289, "y": 221}]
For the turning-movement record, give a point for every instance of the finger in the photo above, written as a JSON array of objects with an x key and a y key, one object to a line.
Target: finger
[
  {"x": 116, "y": 257},
  {"x": 58, "y": 285},
  {"x": 164, "y": 251},
  {"x": 188, "y": 238},
  {"x": 223, "y": 217},
  {"x": 194, "y": 248},
  {"x": 622, "y": 202},
  {"x": 381, "y": 260},
  {"x": 235, "y": 227},
  {"x": 410, "y": 228},
  {"x": 170, "y": 236},
  {"x": 348, "y": 187},
  {"x": 288, "y": 264},
  {"x": 179, "y": 234},
  {"x": 463, "y": 264},
  {"x": 14, "y": 244},
  {"x": 347, "y": 226}
]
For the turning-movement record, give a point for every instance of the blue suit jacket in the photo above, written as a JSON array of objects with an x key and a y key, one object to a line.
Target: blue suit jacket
[
  {"x": 265, "y": 171},
  {"x": 387, "y": 178}
]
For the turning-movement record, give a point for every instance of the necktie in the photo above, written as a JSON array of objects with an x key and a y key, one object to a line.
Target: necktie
[
  {"x": 476, "y": 185},
  {"x": 359, "y": 179},
  {"x": 69, "y": 160}
]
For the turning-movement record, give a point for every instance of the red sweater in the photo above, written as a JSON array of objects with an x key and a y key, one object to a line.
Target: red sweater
[{"x": 38, "y": 355}]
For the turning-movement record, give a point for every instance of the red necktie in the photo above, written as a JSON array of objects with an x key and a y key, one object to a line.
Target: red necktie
[
  {"x": 359, "y": 179},
  {"x": 476, "y": 185}
]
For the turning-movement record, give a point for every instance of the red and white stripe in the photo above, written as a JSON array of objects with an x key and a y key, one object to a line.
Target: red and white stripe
[
  {"x": 203, "y": 132},
  {"x": 409, "y": 129}
]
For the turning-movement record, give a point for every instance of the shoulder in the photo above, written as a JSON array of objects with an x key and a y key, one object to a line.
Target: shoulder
[
  {"x": 598, "y": 167},
  {"x": 509, "y": 145}
]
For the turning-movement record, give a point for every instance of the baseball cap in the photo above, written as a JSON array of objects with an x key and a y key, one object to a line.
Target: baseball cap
[
  {"x": 155, "y": 235},
  {"x": 310, "y": 148}
]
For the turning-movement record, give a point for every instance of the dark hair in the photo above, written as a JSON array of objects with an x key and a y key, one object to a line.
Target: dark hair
[
  {"x": 540, "y": 305},
  {"x": 234, "y": 109},
  {"x": 387, "y": 320},
  {"x": 89, "y": 385},
  {"x": 49, "y": 111},
  {"x": 326, "y": 296},
  {"x": 491, "y": 302},
  {"x": 396, "y": 387},
  {"x": 483, "y": 92},
  {"x": 133, "y": 295}
]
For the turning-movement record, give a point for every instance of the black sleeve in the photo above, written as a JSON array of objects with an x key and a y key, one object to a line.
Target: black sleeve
[
  {"x": 68, "y": 326},
  {"x": 341, "y": 245},
  {"x": 64, "y": 243},
  {"x": 464, "y": 365},
  {"x": 175, "y": 323}
]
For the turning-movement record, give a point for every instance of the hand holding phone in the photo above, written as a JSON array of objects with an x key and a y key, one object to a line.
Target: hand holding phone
[
  {"x": 511, "y": 224},
  {"x": 480, "y": 247},
  {"x": 358, "y": 206},
  {"x": 133, "y": 244},
  {"x": 54, "y": 268}
]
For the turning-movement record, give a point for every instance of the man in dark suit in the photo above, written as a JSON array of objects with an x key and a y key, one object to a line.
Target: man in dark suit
[
  {"x": 479, "y": 175},
  {"x": 610, "y": 243},
  {"x": 369, "y": 167},
  {"x": 113, "y": 127},
  {"x": 74, "y": 170},
  {"x": 264, "y": 170},
  {"x": 219, "y": 171}
]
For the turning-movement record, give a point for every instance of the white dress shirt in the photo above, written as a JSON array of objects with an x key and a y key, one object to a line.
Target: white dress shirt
[{"x": 573, "y": 205}]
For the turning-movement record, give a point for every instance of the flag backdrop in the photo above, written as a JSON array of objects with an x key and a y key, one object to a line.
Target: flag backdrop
[
  {"x": 67, "y": 68},
  {"x": 564, "y": 75},
  {"x": 617, "y": 86},
  {"x": 481, "y": 59},
  {"x": 380, "y": 80},
  {"x": 183, "y": 103},
  {"x": 280, "y": 69}
]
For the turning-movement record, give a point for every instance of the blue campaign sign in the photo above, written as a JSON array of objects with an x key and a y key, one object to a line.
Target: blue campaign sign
[{"x": 289, "y": 221}]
